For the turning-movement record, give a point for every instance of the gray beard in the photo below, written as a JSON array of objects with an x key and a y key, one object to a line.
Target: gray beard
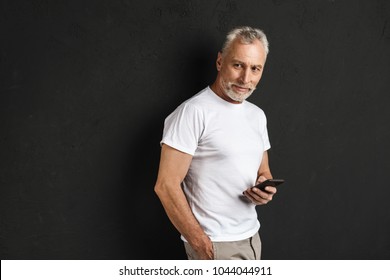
[{"x": 236, "y": 96}]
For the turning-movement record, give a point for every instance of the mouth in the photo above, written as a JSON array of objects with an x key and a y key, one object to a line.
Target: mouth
[{"x": 240, "y": 89}]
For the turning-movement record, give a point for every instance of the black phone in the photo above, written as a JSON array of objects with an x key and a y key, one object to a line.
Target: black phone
[{"x": 269, "y": 182}]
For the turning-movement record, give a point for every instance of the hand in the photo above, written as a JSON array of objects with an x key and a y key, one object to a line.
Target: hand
[
  {"x": 204, "y": 250},
  {"x": 259, "y": 197}
]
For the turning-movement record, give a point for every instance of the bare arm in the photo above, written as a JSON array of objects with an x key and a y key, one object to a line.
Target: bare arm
[
  {"x": 174, "y": 166},
  {"x": 257, "y": 196}
]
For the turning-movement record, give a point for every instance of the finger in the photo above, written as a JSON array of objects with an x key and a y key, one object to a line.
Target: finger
[
  {"x": 269, "y": 191},
  {"x": 262, "y": 195},
  {"x": 256, "y": 199}
]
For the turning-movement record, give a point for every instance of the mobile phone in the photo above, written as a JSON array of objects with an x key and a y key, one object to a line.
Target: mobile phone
[{"x": 269, "y": 182}]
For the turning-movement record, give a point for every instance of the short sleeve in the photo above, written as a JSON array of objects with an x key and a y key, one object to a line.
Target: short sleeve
[
  {"x": 264, "y": 134},
  {"x": 183, "y": 128}
]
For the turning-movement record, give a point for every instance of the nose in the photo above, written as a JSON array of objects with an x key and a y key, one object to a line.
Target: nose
[{"x": 245, "y": 76}]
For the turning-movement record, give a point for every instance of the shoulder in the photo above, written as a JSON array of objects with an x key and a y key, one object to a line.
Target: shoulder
[
  {"x": 254, "y": 109},
  {"x": 192, "y": 107},
  {"x": 197, "y": 103},
  {"x": 198, "y": 100}
]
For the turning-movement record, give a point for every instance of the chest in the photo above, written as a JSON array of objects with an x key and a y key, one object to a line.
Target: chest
[{"x": 232, "y": 135}]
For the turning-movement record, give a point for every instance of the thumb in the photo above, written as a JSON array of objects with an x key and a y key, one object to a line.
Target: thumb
[{"x": 261, "y": 179}]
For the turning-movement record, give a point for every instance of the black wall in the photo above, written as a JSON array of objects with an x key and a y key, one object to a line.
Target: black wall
[{"x": 85, "y": 87}]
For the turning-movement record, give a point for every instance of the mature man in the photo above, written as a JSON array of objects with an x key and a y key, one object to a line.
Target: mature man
[{"x": 214, "y": 149}]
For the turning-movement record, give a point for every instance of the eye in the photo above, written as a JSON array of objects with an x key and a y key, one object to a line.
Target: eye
[
  {"x": 256, "y": 69},
  {"x": 237, "y": 65}
]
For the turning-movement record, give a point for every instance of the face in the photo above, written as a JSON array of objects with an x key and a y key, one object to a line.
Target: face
[{"x": 240, "y": 70}]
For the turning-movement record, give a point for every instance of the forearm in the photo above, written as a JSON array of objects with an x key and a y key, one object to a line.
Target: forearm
[
  {"x": 264, "y": 169},
  {"x": 176, "y": 206},
  {"x": 174, "y": 166}
]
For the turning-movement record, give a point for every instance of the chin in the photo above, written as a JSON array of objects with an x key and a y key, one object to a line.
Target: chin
[
  {"x": 235, "y": 96},
  {"x": 238, "y": 97}
]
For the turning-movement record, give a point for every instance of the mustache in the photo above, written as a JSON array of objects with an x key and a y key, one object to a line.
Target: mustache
[{"x": 248, "y": 86}]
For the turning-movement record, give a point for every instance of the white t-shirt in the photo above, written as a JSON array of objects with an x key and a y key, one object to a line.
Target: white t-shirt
[{"x": 227, "y": 142}]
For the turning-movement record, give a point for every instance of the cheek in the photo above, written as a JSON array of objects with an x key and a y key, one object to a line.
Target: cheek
[
  {"x": 256, "y": 80},
  {"x": 230, "y": 75}
]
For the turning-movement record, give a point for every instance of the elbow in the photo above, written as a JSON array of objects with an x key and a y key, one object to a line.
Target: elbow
[
  {"x": 159, "y": 189},
  {"x": 164, "y": 188}
]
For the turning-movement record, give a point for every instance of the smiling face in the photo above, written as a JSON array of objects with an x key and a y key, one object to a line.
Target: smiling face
[{"x": 239, "y": 70}]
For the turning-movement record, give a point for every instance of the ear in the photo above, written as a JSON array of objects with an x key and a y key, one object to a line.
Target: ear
[{"x": 219, "y": 61}]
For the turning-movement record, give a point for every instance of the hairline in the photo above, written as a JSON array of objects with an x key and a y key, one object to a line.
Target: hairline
[{"x": 247, "y": 35}]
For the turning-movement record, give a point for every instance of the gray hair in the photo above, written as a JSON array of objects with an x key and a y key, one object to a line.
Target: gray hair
[{"x": 247, "y": 35}]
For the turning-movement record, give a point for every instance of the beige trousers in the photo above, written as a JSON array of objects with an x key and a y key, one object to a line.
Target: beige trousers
[{"x": 247, "y": 249}]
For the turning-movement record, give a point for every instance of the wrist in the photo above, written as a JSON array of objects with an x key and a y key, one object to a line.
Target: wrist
[{"x": 199, "y": 241}]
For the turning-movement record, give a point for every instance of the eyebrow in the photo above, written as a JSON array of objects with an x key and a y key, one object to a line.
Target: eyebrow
[{"x": 241, "y": 62}]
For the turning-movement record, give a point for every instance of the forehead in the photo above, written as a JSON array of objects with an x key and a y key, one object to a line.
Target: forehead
[{"x": 251, "y": 54}]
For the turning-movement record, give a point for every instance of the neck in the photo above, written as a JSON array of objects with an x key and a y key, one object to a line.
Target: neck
[{"x": 216, "y": 87}]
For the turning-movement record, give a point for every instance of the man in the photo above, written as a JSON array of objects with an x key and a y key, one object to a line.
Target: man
[{"x": 214, "y": 149}]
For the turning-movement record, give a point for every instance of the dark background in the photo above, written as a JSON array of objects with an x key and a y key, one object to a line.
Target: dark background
[{"x": 86, "y": 85}]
